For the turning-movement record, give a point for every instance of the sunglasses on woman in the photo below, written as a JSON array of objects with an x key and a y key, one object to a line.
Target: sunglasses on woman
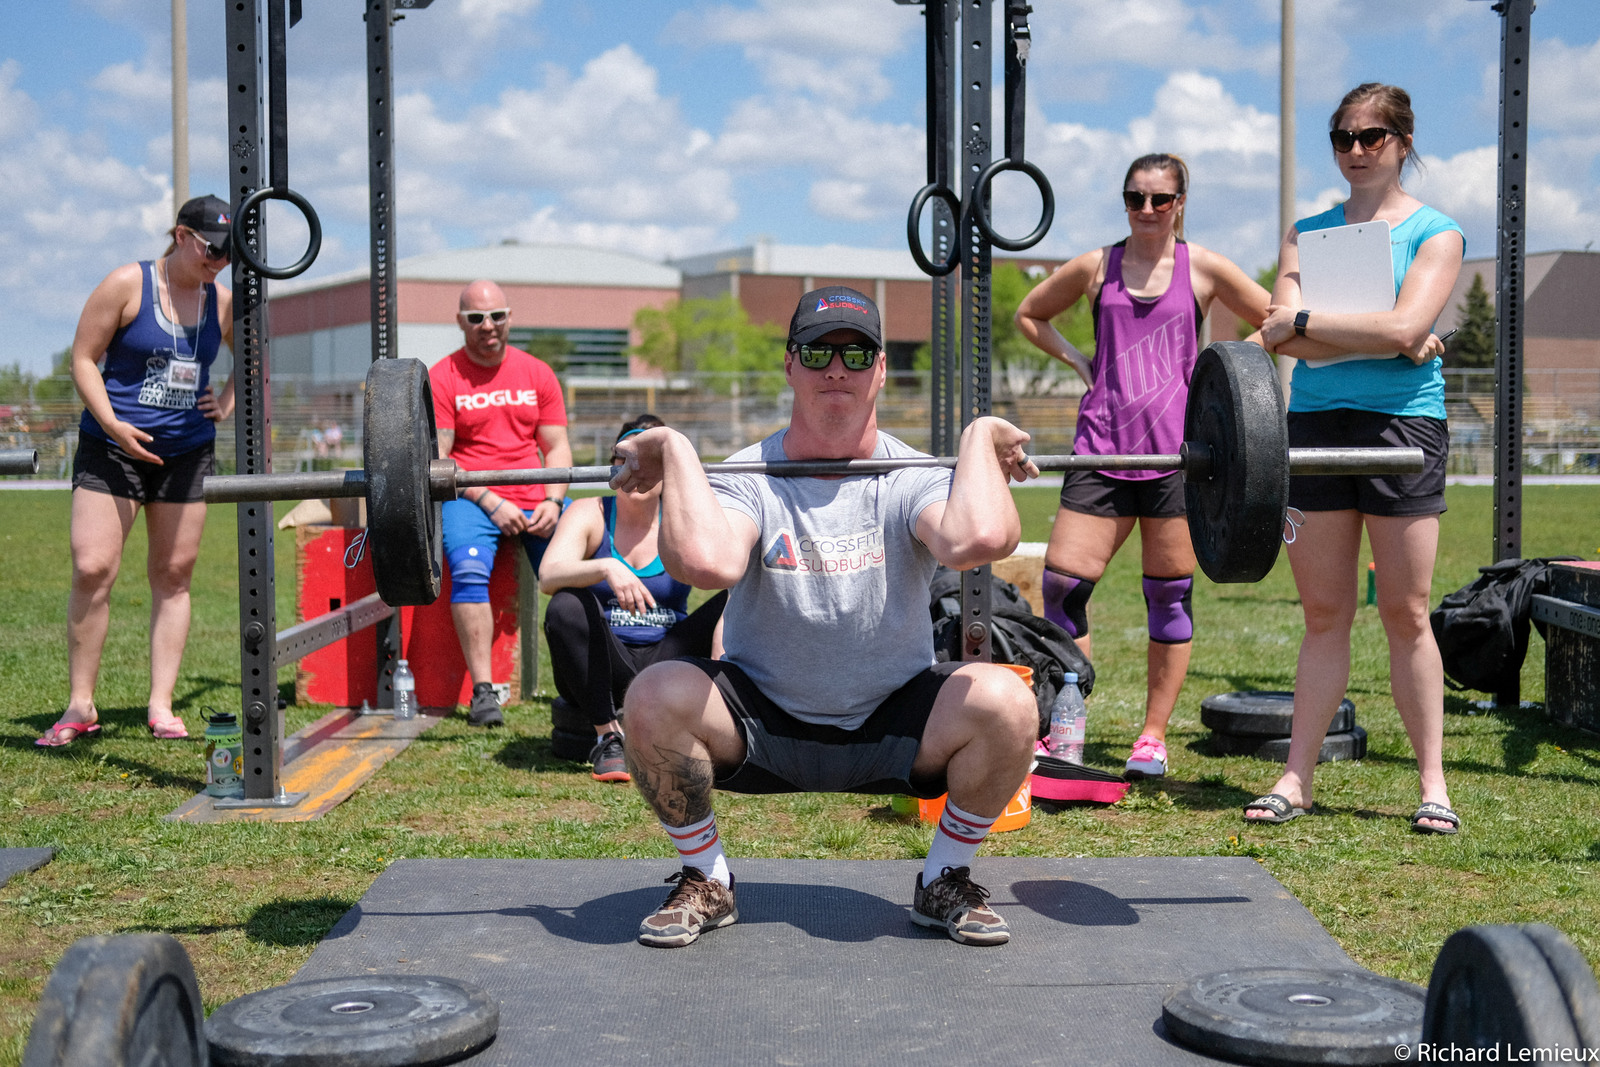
[
  {"x": 1159, "y": 201},
  {"x": 816, "y": 356},
  {"x": 475, "y": 318},
  {"x": 212, "y": 251},
  {"x": 1371, "y": 138}
]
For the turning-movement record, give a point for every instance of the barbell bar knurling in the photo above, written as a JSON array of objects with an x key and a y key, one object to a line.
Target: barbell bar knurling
[{"x": 446, "y": 479}]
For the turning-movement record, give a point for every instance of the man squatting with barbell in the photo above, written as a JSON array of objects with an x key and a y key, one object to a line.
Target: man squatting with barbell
[
  {"x": 495, "y": 407},
  {"x": 829, "y": 682}
]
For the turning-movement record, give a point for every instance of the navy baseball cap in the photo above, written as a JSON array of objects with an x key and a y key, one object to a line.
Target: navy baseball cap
[
  {"x": 210, "y": 217},
  {"x": 834, "y": 307}
]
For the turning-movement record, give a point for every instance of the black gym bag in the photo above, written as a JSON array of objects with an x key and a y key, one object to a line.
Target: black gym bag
[
  {"x": 1482, "y": 628},
  {"x": 1017, "y": 636}
]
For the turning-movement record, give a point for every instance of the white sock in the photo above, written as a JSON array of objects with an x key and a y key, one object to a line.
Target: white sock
[
  {"x": 956, "y": 841},
  {"x": 700, "y": 846}
]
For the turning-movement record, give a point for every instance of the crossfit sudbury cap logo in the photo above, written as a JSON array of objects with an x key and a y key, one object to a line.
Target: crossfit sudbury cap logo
[{"x": 829, "y": 303}]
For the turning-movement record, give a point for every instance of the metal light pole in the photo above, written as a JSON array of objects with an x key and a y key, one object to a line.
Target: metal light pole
[{"x": 180, "y": 104}]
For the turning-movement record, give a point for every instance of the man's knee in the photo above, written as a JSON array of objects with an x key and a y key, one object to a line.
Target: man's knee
[
  {"x": 664, "y": 695},
  {"x": 1006, "y": 706},
  {"x": 1169, "y": 609},
  {"x": 1066, "y": 600},
  {"x": 470, "y": 569}
]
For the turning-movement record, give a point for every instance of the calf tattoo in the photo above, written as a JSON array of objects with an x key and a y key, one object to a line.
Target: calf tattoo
[{"x": 676, "y": 785}]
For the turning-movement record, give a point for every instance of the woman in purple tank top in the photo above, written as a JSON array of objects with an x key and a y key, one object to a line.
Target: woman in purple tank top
[
  {"x": 1149, "y": 292},
  {"x": 141, "y": 362}
]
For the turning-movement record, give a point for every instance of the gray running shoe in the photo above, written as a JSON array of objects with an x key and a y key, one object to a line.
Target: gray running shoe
[
  {"x": 698, "y": 902},
  {"x": 956, "y": 903},
  {"x": 610, "y": 765},
  {"x": 485, "y": 707}
]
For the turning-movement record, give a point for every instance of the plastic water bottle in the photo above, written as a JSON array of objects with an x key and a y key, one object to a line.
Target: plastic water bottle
[
  {"x": 224, "y": 755},
  {"x": 1069, "y": 722},
  {"x": 405, "y": 691}
]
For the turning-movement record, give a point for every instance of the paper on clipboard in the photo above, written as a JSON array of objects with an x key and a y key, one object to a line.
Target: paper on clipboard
[{"x": 1347, "y": 269}]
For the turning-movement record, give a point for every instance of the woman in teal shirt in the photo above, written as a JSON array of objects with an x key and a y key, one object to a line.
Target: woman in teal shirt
[{"x": 1396, "y": 401}]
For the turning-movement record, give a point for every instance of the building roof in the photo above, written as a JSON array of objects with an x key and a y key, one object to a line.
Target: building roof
[
  {"x": 1557, "y": 290},
  {"x": 805, "y": 261},
  {"x": 512, "y": 263}
]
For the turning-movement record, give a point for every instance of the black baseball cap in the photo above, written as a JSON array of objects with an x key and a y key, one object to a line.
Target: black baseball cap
[
  {"x": 834, "y": 307},
  {"x": 210, "y": 217}
]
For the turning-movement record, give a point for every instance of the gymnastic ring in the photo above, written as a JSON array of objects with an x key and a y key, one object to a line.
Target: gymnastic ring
[
  {"x": 914, "y": 237},
  {"x": 980, "y": 216},
  {"x": 242, "y": 249}
]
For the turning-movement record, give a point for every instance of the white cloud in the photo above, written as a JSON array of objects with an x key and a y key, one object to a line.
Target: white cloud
[{"x": 1564, "y": 89}]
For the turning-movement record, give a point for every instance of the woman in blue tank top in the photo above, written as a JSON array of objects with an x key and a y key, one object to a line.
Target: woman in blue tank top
[
  {"x": 141, "y": 362},
  {"x": 614, "y": 609},
  {"x": 1344, "y": 395}
]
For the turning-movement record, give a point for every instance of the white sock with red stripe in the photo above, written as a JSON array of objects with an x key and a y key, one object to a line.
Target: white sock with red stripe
[
  {"x": 956, "y": 841},
  {"x": 699, "y": 845}
]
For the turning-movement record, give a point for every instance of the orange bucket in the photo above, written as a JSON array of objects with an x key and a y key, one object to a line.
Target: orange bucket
[{"x": 1017, "y": 813}]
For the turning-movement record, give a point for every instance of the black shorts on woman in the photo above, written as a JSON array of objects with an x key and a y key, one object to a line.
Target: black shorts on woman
[
  {"x": 1097, "y": 493},
  {"x": 102, "y": 467},
  {"x": 1390, "y": 495}
]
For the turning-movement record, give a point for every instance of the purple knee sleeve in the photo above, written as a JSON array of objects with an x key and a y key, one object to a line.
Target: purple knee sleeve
[
  {"x": 1169, "y": 609},
  {"x": 1066, "y": 601}
]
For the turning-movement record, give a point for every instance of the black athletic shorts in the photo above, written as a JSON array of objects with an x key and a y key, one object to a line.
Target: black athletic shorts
[
  {"x": 1370, "y": 494},
  {"x": 1097, "y": 493},
  {"x": 102, "y": 467},
  {"x": 786, "y": 755}
]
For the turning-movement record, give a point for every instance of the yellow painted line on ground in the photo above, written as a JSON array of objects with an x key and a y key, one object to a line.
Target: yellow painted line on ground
[{"x": 327, "y": 760}]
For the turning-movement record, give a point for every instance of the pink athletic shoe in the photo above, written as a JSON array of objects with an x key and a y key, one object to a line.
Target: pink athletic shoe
[{"x": 1148, "y": 760}]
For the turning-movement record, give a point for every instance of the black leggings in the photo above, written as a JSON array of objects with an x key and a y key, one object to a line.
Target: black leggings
[{"x": 593, "y": 669}]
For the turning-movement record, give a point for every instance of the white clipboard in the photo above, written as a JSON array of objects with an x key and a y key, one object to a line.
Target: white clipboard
[{"x": 1347, "y": 269}]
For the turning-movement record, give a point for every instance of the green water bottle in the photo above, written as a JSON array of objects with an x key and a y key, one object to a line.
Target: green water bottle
[{"x": 224, "y": 755}]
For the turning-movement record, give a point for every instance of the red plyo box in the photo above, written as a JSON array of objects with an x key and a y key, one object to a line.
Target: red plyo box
[{"x": 345, "y": 673}]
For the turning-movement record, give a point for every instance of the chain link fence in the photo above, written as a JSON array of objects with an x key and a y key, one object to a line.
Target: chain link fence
[{"x": 722, "y": 413}]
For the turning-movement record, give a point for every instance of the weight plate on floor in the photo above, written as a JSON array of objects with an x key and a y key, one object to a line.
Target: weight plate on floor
[
  {"x": 1574, "y": 976},
  {"x": 1263, "y": 713},
  {"x": 367, "y": 1021},
  {"x": 126, "y": 1001},
  {"x": 1236, "y": 513},
  {"x": 1275, "y": 1015},
  {"x": 399, "y": 441},
  {"x": 1492, "y": 987},
  {"x": 1335, "y": 747}
]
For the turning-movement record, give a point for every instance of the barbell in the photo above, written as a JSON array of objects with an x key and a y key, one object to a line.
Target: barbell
[
  {"x": 1235, "y": 461},
  {"x": 19, "y": 461}
]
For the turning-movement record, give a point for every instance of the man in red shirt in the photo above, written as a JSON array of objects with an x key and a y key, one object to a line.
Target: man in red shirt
[{"x": 496, "y": 407}]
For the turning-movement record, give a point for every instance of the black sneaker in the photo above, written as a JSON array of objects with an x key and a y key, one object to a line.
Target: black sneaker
[
  {"x": 485, "y": 708},
  {"x": 609, "y": 763},
  {"x": 696, "y": 904},
  {"x": 955, "y": 903}
]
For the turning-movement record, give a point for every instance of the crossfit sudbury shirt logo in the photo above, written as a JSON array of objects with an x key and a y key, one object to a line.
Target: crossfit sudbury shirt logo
[{"x": 808, "y": 554}]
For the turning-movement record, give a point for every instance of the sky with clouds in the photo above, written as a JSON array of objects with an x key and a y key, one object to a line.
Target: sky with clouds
[{"x": 672, "y": 127}]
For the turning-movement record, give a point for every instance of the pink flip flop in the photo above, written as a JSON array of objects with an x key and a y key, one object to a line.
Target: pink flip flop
[
  {"x": 168, "y": 729},
  {"x": 64, "y": 733}
]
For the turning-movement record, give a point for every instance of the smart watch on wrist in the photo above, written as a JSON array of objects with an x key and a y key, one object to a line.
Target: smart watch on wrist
[{"x": 1301, "y": 317}]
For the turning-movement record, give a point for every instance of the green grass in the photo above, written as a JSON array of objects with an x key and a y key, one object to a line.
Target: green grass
[{"x": 251, "y": 901}]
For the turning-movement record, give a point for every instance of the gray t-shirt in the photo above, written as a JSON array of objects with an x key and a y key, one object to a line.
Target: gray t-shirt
[{"x": 831, "y": 615}]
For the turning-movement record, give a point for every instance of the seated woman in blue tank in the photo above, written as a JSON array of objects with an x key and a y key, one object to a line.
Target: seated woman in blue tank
[{"x": 614, "y": 609}]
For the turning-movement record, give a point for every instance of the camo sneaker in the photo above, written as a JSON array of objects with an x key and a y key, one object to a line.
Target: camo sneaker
[
  {"x": 696, "y": 903},
  {"x": 610, "y": 765},
  {"x": 954, "y": 901},
  {"x": 485, "y": 707}
]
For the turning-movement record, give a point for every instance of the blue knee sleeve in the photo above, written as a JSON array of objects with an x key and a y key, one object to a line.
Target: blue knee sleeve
[
  {"x": 470, "y": 566},
  {"x": 1066, "y": 601},
  {"x": 1169, "y": 609}
]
